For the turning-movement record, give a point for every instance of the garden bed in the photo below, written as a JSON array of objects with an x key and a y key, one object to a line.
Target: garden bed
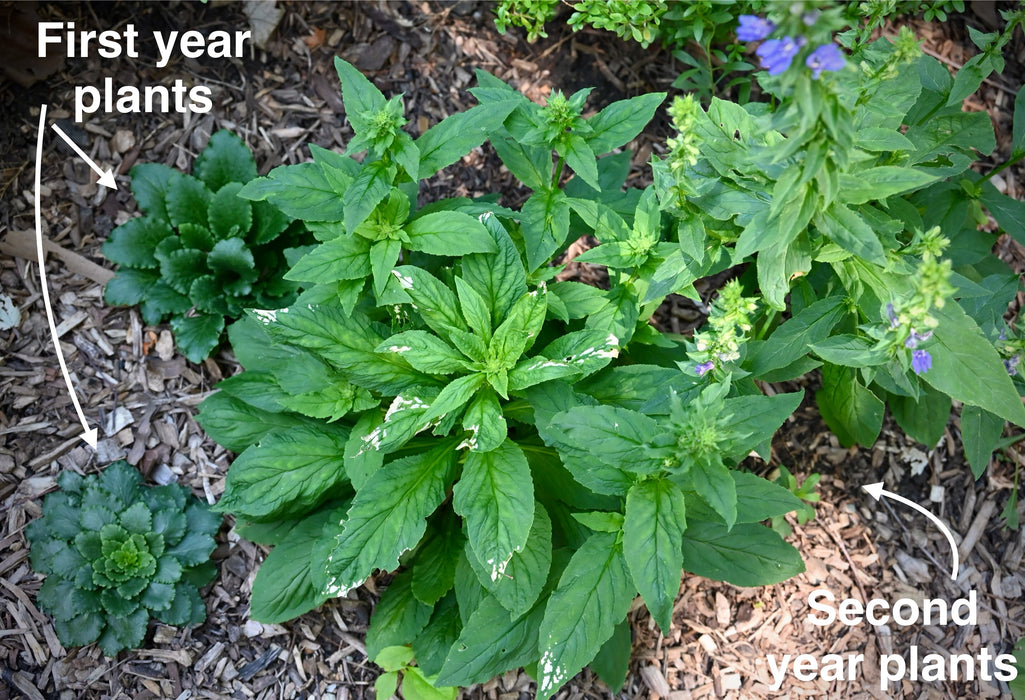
[{"x": 143, "y": 394}]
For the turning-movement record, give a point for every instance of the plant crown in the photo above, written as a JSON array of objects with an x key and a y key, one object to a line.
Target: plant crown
[
  {"x": 117, "y": 553},
  {"x": 200, "y": 253}
]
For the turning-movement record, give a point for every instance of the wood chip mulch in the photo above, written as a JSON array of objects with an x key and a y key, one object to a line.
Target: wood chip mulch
[{"x": 143, "y": 394}]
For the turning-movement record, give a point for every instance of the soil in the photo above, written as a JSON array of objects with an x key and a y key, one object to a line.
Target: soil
[{"x": 279, "y": 97}]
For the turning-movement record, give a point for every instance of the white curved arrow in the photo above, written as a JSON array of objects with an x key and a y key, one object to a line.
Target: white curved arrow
[
  {"x": 90, "y": 434},
  {"x": 877, "y": 491},
  {"x": 106, "y": 178}
]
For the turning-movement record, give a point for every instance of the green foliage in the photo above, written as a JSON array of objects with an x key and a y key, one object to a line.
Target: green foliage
[
  {"x": 116, "y": 553},
  {"x": 200, "y": 253},
  {"x": 528, "y": 454}
]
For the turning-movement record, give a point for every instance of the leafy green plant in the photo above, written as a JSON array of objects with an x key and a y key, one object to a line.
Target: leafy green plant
[
  {"x": 200, "y": 253},
  {"x": 117, "y": 553},
  {"x": 804, "y": 490},
  {"x": 526, "y": 452},
  {"x": 531, "y": 15}
]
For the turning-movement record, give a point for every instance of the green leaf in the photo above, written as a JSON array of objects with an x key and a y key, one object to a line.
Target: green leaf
[
  {"x": 967, "y": 368},
  {"x": 484, "y": 420},
  {"x": 162, "y": 300},
  {"x": 545, "y": 225},
  {"x": 655, "y": 519},
  {"x": 425, "y": 352},
  {"x": 849, "y": 351},
  {"x": 495, "y": 496},
  {"x": 980, "y": 433},
  {"x": 435, "y": 302},
  {"x": 593, "y": 596},
  {"x": 434, "y": 571},
  {"x": 157, "y": 596},
  {"x": 474, "y": 308},
  {"x": 398, "y": 618},
  {"x": 790, "y": 341},
  {"x": 344, "y": 258},
  {"x": 613, "y": 435},
  {"x": 849, "y": 230},
  {"x": 499, "y": 277},
  {"x": 187, "y": 201},
  {"x": 1008, "y": 212},
  {"x": 454, "y": 396},
  {"x": 137, "y": 518},
  {"x": 236, "y": 424},
  {"x": 132, "y": 243},
  {"x": 387, "y": 683},
  {"x": 186, "y": 608},
  {"x": 197, "y": 237},
  {"x": 582, "y": 160},
  {"x": 129, "y": 287},
  {"x": 383, "y": 256},
  {"x": 449, "y": 233},
  {"x": 713, "y": 482},
  {"x": 369, "y": 188},
  {"x": 388, "y": 516},
  {"x": 228, "y": 211},
  {"x": 84, "y": 629},
  {"x": 149, "y": 185},
  {"x": 850, "y": 410},
  {"x": 880, "y": 182},
  {"x": 924, "y": 420},
  {"x": 621, "y": 121},
  {"x": 362, "y": 100},
  {"x": 517, "y": 333},
  {"x": 197, "y": 336},
  {"x": 455, "y": 136},
  {"x": 433, "y": 643},
  {"x": 232, "y": 256},
  {"x": 416, "y": 687},
  {"x": 532, "y": 165},
  {"x": 182, "y": 267},
  {"x": 613, "y": 659},
  {"x": 299, "y": 191},
  {"x": 269, "y": 222},
  {"x": 287, "y": 472},
  {"x": 760, "y": 499},
  {"x": 124, "y": 632},
  {"x": 748, "y": 554},
  {"x": 225, "y": 159}
]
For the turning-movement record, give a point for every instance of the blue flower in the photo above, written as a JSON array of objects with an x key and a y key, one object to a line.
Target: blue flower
[
  {"x": 825, "y": 57},
  {"x": 704, "y": 368},
  {"x": 776, "y": 54},
  {"x": 892, "y": 315},
  {"x": 1012, "y": 365},
  {"x": 915, "y": 338},
  {"x": 921, "y": 361},
  {"x": 754, "y": 28}
]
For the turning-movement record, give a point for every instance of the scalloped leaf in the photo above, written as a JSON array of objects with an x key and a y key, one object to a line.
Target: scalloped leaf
[
  {"x": 198, "y": 336},
  {"x": 196, "y": 236},
  {"x": 84, "y": 629},
  {"x": 208, "y": 295},
  {"x": 129, "y": 286},
  {"x": 182, "y": 267},
  {"x": 133, "y": 243},
  {"x": 188, "y": 200},
  {"x": 124, "y": 632},
  {"x": 229, "y": 212},
  {"x": 149, "y": 185},
  {"x": 161, "y": 301},
  {"x": 225, "y": 159}
]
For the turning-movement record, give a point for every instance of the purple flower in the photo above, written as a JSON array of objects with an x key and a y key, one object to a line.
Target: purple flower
[
  {"x": 1012, "y": 365},
  {"x": 915, "y": 338},
  {"x": 921, "y": 361},
  {"x": 892, "y": 315},
  {"x": 810, "y": 18},
  {"x": 776, "y": 54},
  {"x": 754, "y": 28},
  {"x": 704, "y": 368},
  {"x": 825, "y": 57}
]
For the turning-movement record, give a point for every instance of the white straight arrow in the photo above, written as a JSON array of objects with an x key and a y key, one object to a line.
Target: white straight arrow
[
  {"x": 90, "y": 434},
  {"x": 106, "y": 178},
  {"x": 877, "y": 491}
]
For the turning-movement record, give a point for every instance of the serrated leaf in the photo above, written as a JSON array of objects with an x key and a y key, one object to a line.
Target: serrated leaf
[
  {"x": 759, "y": 499},
  {"x": 449, "y": 233},
  {"x": 653, "y": 529},
  {"x": 425, "y": 351},
  {"x": 181, "y": 268},
  {"x": 748, "y": 554},
  {"x": 133, "y": 243},
  {"x": 435, "y": 302},
  {"x": 229, "y": 212},
  {"x": 454, "y": 396},
  {"x": 495, "y": 496},
  {"x": 129, "y": 287},
  {"x": 434, "y": 570},
  {"x": 621, "y": 121},
  {"x": 498, "y": 277},
  {"x": 455, "y": 136},
  {"x": 388, "y": 516},
  {"x": 517, "y": 333},
  {"x": 368, "y": 189},
  {"x": 980, "y": 433},
  {"x": 850, "y": 231},
  {"x": 149, "y": 185},
  {"x": 613, "y": 435},
  {"x": 362, "y": 99},
  {"x": 187, "y": 201},
  {"x": 545, "y": 225},
  {"x": 225, "y": 159},
  {"x": 197, "y": 336},
  {"x": 344, "y": 258},
  {"x": 593, "y": 596},
  {"x": 299, "y": 191},
  {"x": 383, "y": 256},
  {"x": 287, "y": 472},
  {"x": 432, "y": 644},
  {"x": 520, "y": 584},
  {"x": 484, "y": 421}
]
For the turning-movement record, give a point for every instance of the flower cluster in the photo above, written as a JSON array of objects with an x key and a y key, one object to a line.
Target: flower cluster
[
  {"x": 683, "y": 148},
  {"x": 777, "y": 54},
  {"x": 912, "y": 323},
  {"x": 729, "y": 321}
]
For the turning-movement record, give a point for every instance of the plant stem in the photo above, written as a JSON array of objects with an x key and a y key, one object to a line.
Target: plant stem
[
  {"x": 558, "y": 173},
  {"x": 1004, "y": 166}
]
